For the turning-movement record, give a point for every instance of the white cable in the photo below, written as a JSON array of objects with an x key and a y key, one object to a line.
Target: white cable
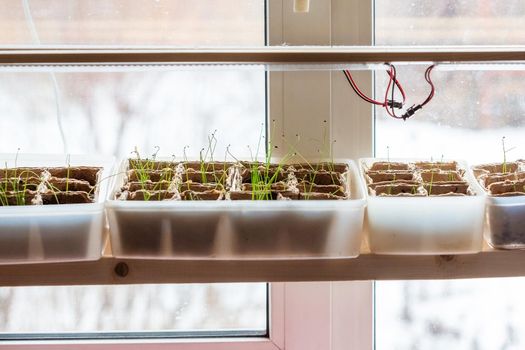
[{"x": 56, "y": 90}]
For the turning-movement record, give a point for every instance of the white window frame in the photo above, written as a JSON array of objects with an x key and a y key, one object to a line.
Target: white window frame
[
  {"x": 326, "y": 96},
  {"x": 303, "y": 316}
]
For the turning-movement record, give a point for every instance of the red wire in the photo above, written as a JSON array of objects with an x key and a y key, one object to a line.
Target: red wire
[
  {"x": 370, "y": 100},
  {"x": 358, "y": 91},
  {"x": 393, "y": 79},
  {"x": 390, "y": 109},
  {"x": 429, "y": 81},
  {"x": 398, "y": 84}
]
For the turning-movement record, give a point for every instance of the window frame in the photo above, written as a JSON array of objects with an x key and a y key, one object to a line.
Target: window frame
[
  {"x": 338, "y": 22},
  {"x": 338, "y": 314}
]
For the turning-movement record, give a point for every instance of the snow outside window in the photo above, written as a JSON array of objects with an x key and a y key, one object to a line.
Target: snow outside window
[
  {"x": 112, "y": 112},
  {"x": 471, "y": 112}
]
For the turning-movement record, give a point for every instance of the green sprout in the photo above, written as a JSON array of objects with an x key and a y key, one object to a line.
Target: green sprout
[
  {"x": 68, "y": 159},
  {"x": 431, "y": 183},
  {"x": 14, "y": 184},
  {"x": 505, "y": 151},
  {"x": 325, "y": 152},
  {"x": 143, "y": 168},
  {"x": 262, "y": 181}
]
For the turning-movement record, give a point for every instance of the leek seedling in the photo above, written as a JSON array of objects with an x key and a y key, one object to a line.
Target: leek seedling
[
  {"x": 262, "y": 181},
  {"x": 68, "y": 158},
  {"x": 505, "y": 151},
  {"x": 389, "y": 189},
  {"x": 15, "y": 184},
  {"x": 431, "y": 183},
  {"x": 143, "y": 168}
]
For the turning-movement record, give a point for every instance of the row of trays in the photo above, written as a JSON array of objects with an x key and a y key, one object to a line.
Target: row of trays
[{"x": 401, "y": 206}]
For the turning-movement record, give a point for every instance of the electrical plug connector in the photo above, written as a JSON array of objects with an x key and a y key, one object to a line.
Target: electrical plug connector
[
  {"x": 394, "y": 104},
  {"x": 411, "y": 111}
]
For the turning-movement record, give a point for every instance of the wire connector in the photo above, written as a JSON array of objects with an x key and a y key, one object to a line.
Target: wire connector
[
  {"x": 394, "y": 104},
  {"x": 411, "y": 111}
]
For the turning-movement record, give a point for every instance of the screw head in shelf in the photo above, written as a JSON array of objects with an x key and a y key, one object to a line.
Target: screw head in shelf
[{"x": 121, "y": 269}]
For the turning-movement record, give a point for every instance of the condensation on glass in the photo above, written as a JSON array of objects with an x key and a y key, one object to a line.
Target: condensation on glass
[
  {"x": 472, "y": 109},
  {"x": 470, "y": 113}
]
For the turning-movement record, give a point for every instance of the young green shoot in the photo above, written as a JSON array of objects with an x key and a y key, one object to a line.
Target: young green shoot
[
  {"x": 143, "y": 168},
  {"x": 68, "y": 162},
  {"x": 505, "y": 151},
  {"x": 431, "y": 182}
]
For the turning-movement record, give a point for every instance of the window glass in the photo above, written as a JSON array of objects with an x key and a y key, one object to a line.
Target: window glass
[
  {"x": 465, "y": 314},
  {"x": 170, "y": 309},
  {"x": 141, "y": 22},
  {"x": 471, "y": 111},
  {"x": 111, "y": 111}
]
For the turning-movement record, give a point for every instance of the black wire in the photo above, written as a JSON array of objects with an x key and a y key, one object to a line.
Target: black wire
[
  {"x": 357, "y": 92},
  {"x": 429, "y": 81},
  {"x": 393, "y": 90}
]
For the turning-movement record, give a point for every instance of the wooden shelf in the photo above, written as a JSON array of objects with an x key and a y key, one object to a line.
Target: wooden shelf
[
  {"x": 262, "y": 55},
  {"x": 109, "y": 270}
]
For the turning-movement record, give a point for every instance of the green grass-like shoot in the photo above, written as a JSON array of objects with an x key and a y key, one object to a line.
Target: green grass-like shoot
[{"x": 505, "y": 151}]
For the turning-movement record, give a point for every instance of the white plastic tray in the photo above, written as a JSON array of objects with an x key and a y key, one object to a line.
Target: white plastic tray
[
  {"x": 425, "y": 225},
  {"x": 237, "y": 229},
  {"x": 506, "y": 219},
  {"x": 53, "y": 233}
]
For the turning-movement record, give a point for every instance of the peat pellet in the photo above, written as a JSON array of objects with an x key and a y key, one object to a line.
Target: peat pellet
[
  {"x": 319, "y": 196},
  {"x": 380, "y": 176},
  {"x": 240, "y": 195},
  {"x": 25, "y": 172},
  {"x": 61, "y": 184},
  {"x": 250, "y": 195},
  {"x": 319, "y": 177},
  {"x": 440, "y": 176},
  {"x": 388, "y": 166},
  {"x": 89, "y": 174},
  {"x": 490, "y": 179},
  {"x": 151, "y": 164},
  {"x": 198, "y": 187},
  {"x": 13, "y": 198},
  {"x": 397, "y": 189},
  {"x": 437, "y": 165},
  {"x": 212, "y": 195},
  {"x": 207, "y": 166},
  {"x": 495, "y": 168},
  {"x": 337, "y": 167},
  {"x": 283, "y": 195},
  {"x": 266, "y": 175},
  {"x": 205, "y": 177},
  {"x": 19, "y": 184},
  {"x": 65, "y": 198},
  {"x": 279, "y": 186},
  {"x": 261, "y": 165},
  {"x": 441, "y": 189},
  {"x": 148, "y": 185},
  {"x": 143, "y": 195},
  {"x": 507, "y": 187},
  {"x": 395, "y": 182},
  {"x": 307, "y": 187},
  {"x": 135, "y": 175}
]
